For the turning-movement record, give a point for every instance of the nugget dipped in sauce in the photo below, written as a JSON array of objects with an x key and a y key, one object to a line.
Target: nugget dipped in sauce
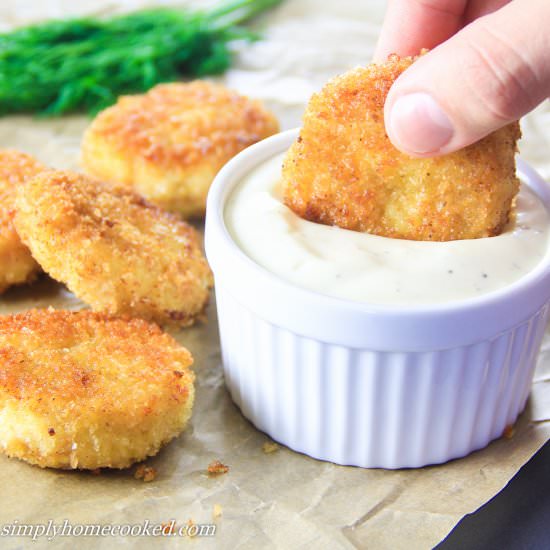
[{"x": 343, "y": 170}]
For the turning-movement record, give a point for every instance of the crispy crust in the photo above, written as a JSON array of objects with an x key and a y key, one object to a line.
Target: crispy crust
[
  {"x": 17, "y": 266},
  {"x": 113, "y": 249},
  {"x": 169, "y": 143},
  {"x": 343, "y": 169},
  {"x": 85, "y": 390}
]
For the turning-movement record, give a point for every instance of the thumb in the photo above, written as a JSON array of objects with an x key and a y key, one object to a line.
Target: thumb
[{"x": 489, "y": 74}]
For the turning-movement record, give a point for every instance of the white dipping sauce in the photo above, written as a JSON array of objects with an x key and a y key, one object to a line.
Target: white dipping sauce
[{"x": 368, "y": 268}]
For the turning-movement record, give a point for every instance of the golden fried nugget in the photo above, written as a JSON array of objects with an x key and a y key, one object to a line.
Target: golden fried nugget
[
  {"x": 113, "y": 249},
  {"x": 17, "y": 266},
  {"x": 85, "y": 390},
  {"x": 343, "y": 169},
  {"x": 169, "y": 143}
]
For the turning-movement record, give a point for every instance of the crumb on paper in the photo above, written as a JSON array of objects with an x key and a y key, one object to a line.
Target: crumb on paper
[
  {"x": 147, "y": 473},
  {"x": 216, "y": 468},
  {"x": 270, "y": 447},
  {"x": 509, "y": 431},
  {"x": 168, "y": 528},
  {"x": 202, "y": 318},
  {"x": 217, "y": 511}
]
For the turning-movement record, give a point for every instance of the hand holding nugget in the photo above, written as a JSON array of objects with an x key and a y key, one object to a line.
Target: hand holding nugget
[
  {"x": 343, "y": 170},
  {"x": 489, "y": 65},
  {"x": 114, "y": 250}
]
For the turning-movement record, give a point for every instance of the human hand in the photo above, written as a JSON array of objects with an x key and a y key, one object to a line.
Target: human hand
[{"x": 489, "y": 64}]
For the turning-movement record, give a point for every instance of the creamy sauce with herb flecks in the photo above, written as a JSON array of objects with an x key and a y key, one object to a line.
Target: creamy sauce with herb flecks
[{"x": 369, "y": 268}]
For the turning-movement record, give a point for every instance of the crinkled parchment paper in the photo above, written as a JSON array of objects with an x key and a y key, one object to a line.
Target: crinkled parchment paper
[{"x": 282, "y": 499}]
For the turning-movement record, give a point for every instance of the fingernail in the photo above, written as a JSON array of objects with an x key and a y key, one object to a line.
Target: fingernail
[{"x": 419, "y": 125}]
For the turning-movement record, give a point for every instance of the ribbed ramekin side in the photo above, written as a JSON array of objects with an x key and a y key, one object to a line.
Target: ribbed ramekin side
[
  {"x": 525, "y": 382},
  {"x": 458, "y": 400},
  {"x": 370, "y": 408}
]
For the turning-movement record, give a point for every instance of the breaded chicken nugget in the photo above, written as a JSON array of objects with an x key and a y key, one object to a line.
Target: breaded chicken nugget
[
  {"x": 84, "y": 390},
  {"x": 113, "y": 249},
  {"x": 343, "y": 169},
  {"x": 17, "y": 266},
  {"x": 169, "y": 143}
]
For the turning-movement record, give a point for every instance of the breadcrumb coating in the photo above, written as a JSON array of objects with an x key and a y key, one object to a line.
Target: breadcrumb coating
[
  {"x": 85, "y": 390},
  {"x": 169, "y": 143},
  {"x": 343, "y": 170},
  {"x": 113, "y": 249},
  {"x": 17, "y": 265}
]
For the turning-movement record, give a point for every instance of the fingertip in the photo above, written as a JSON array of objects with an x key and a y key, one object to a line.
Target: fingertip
[{"x": 417, "y": 125}]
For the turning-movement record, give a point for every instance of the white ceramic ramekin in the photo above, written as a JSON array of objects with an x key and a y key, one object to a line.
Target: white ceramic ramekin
[{"x": 372, "y": 386}]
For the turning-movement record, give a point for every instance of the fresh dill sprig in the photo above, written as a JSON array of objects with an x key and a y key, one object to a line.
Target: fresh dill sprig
[{"x": 85, "y": 64}]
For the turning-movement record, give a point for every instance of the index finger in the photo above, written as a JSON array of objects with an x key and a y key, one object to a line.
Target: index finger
[{"x": 410, "y": 25}]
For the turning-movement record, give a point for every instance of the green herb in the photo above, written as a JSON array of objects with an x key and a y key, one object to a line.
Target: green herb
[{"x": 85, "y": 64}]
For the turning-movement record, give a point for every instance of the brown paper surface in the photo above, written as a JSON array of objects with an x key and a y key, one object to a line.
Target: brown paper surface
[{"x": 282, "y": 499}]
